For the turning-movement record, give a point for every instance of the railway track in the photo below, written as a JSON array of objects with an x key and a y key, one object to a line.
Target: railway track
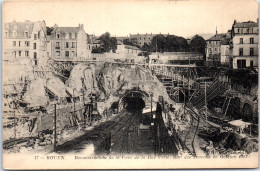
[{"x": 112, "y": 127}]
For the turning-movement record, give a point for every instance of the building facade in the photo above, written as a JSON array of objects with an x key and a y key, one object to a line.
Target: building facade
[
  {"x": 225, "y": 52},
  {"x": 69, "y": 42},
  {"x": 213, "y": 49},
  {"x": 25, "y": 40},
  {"x": 244, "y": 44}
]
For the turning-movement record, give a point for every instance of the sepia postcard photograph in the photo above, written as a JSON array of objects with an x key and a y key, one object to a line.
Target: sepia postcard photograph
[{"x": 131, "y": 84}]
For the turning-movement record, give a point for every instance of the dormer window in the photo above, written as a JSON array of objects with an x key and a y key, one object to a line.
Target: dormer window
[{"x": 58, "y": 36}]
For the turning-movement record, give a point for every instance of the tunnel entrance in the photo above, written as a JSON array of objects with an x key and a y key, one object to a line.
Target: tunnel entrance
[
  {"x": 133, "y": 103},
  {"x": 134, "y": 100}
]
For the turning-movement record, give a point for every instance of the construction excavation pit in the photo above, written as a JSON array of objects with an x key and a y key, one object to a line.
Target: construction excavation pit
[{"x": 112, "y": 108}]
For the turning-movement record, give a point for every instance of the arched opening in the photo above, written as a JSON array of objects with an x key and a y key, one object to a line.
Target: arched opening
[{"x": 133, "y": 100}]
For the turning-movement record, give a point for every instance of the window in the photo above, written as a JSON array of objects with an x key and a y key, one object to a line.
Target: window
[
  {"x": 67, "y": 53},
  {"x": 57, "y": 53},
  {"x": 58, "y": 36},
  {"x": 251, "y": 64},
  {"x": 19, "y": 43},
  {"x": 241, "y": 63},
  {"x": 20, "y": 53},
  {"x": 35, "y": 58},
  {"x": 57, "y": 45},
  {"x": 210, "y": 42},
  {"x": 252, "y": 40},
  {"x": 73, "y": 36},
  {"x": 76, "y": 35},
  {"x": 34, "y": 45},
  {"x": 27, "y": 43},
  {"x": 35, "y": 36},
  {"x": 27, "y": 53},
  {"x": 14, "y": 54},
  {"x": 72, "y": 53},
  {"x": 240, "y": 51},
  {"x": 14, "y": 43},
  {"x": 70, "y": 35},
  {"x": 251, "y": 51},
  {"x": 241, "y": 40},
  {"x": 215, "y": 49},
  {"x": 73, "y": 45},
  {"x": 210, "y": 50},
  {"x": 67, "y": 45}
]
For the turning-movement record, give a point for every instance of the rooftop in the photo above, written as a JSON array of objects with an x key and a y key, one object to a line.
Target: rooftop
[
  {"x": 217, "y": 37},
  {"x": 66, "y": 29},
  {"x": 20, "y": 28},
  {"x": 246, "y": 24}
]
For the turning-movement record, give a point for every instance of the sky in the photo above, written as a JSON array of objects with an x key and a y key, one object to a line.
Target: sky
[{"x": 122, "y": 17}]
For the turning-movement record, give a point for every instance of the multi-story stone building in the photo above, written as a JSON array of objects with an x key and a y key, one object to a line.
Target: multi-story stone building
[
  {"x": 213, "y": 49},
  {"x": 25, "y": 40},
  {"x": 68, "y": 42},
  {"x": 244, "y": 44}
]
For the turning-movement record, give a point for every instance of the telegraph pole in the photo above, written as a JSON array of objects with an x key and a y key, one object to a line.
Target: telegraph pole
[
  {"x": 206, "y": 110},
  {"x": 152, "y": 108}
]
